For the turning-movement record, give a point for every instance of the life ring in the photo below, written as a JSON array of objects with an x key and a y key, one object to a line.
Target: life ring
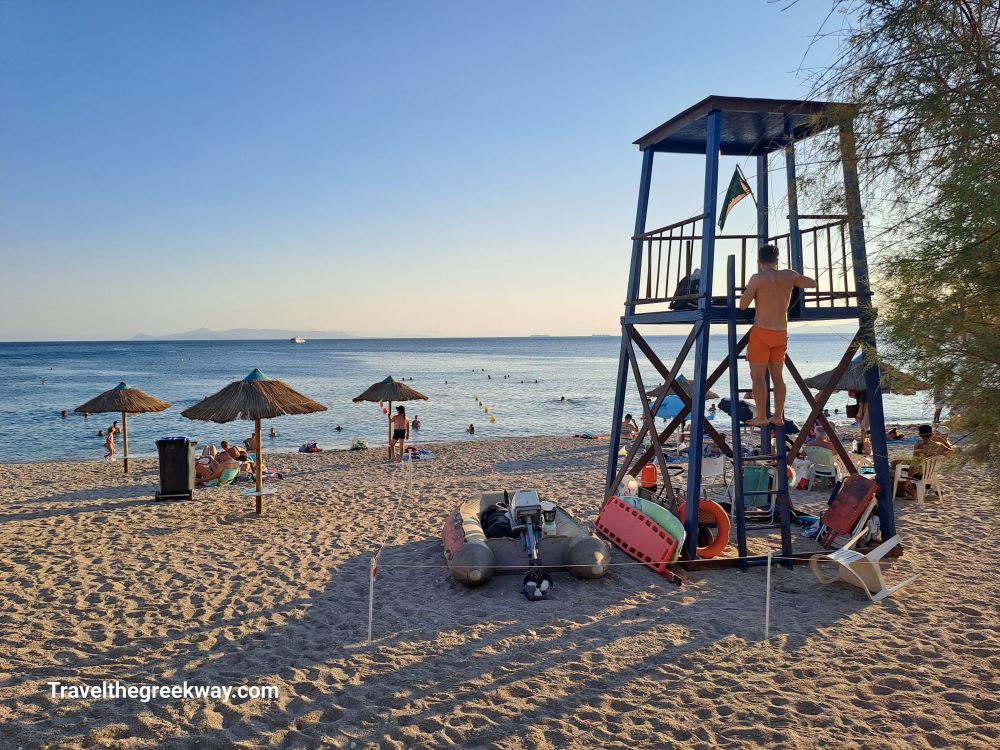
[{"x": 710, "y": 513}]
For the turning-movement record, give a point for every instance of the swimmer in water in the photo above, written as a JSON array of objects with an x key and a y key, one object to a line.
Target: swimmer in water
[
  {"x": 65, "y": 414},
  {"x": 472, "y": 429},
  {"x": 338, "y": 428},
  {"x": 274, "y": 433}
]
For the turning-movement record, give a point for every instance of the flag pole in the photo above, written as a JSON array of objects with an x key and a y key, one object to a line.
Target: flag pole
[{"x": 744, "y": 178}]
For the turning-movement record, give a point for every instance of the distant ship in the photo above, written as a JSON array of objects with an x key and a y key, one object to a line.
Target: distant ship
[{"x": 298, "y": 340}]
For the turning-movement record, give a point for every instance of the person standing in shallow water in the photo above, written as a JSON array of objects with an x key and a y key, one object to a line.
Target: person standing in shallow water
[{"x": 770, "y": 290}]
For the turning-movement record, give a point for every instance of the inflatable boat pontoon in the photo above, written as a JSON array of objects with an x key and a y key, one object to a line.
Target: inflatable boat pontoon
[{"x": 542, "y": 537}]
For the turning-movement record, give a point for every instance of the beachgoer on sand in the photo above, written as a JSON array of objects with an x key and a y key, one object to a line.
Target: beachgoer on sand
[
  {"x": 930, "y": 445},
  {"x": 629, "y": 427},
  {"x": 109, "y": 441},
  {"x": 400, "y": 433},
  {"x": 770, "y": 290}
]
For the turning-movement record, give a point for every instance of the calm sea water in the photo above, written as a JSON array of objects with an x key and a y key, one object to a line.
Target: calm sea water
[{"x": 39, "y": 380}]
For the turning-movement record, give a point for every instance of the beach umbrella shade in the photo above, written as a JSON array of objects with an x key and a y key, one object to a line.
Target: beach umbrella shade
[
  {"x": 687, "y": 386},
  {"x": 670, "y": 408},
  {"x": 256, "y": 397},
  {"x": 853, "y": 379},
  {"x": 127, "y": 400},
  {"x": 390, "y": 390}
]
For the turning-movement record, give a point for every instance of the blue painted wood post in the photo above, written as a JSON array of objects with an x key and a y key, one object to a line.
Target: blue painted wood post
[
  {"x": 866, "y": 315},
  {"x": 634, "y": 276},
  {"x": 762, "y": 238},
  {"x": 739, "y": 509},
  {"x": 712, "y": 142},
  {"x": 794, "y": 238}
]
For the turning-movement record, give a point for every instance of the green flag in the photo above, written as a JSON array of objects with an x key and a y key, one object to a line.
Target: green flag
[{"x": 739, "y": 189}]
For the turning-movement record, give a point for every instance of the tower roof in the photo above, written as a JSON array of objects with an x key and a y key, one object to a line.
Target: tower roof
[{"x": 749, "y": 126}]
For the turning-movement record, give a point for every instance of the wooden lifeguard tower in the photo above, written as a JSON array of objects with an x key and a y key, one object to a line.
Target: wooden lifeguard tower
[{"x": 830, "y": 248}]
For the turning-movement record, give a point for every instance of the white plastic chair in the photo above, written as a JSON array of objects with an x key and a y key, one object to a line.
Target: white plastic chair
[
  {"x": 858, "y": 569},
  {"x": 822, "y": 464},
  {"x": 929, "y": 477}
]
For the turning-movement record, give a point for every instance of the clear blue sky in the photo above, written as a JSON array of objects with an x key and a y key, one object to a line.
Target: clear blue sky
[{"x": 383, "y": 168}]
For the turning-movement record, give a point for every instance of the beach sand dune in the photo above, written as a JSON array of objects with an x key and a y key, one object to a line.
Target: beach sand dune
[{"x": 98, "y": 583}]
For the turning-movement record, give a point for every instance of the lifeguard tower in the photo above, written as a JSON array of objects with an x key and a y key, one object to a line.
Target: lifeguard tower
[{"x": 661, "y": 293}]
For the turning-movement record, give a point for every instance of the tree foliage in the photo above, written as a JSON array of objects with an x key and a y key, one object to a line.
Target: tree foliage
[{"x": 925, "y": 75}]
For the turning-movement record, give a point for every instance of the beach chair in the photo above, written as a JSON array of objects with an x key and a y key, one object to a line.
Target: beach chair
[
  {"x": 228, "y": 477},
  {"x": 822, "y": 464},
  {"x": 929, "y": 477},
  {"x": 849, "y": 512},
  {"x": 758, "y": 508},
  {"x": 858, "y": 569}
]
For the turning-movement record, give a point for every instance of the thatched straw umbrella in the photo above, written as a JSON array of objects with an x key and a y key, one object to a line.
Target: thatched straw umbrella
[
  {"x": 853, "y": 379},
  {"x": 390, "y": 390},
  {"x": 686, "y": 385},
  {"x": 255, "y": 397},
  {"x": 122, "y": 398}
]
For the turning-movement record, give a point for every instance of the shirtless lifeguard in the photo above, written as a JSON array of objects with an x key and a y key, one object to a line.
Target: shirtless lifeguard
[{"x": 770, "y": 290}]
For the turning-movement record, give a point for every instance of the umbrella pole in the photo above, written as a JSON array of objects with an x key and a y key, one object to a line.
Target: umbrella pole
[
  {"x": 125, "y": 439},
  {"x": 392, "y": 451},
  {"x": 259, "y": 467}
]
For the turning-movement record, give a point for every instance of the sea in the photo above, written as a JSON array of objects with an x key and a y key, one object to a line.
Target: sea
[{"x": 539, "y": 385}]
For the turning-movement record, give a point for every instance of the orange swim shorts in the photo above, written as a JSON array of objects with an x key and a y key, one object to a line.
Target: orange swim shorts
[{"x": 766, "y": 345}]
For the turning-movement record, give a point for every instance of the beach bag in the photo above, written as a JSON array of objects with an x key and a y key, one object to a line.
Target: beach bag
[
  {"x": 688, "y": 285},
  {"x": 496, "y": 523},
  {"x": 359, "y": 445}
]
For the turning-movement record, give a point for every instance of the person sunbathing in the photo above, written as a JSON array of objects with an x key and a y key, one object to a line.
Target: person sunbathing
[
  {"x": 629, "y": 427},
  {"x": 215, "y": 470},
  {"x": 930, "y": 445},
  {"x": 820, "y": 439}
]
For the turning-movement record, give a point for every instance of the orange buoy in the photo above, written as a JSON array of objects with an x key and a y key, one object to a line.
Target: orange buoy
[{"x": 709, "y": 514}]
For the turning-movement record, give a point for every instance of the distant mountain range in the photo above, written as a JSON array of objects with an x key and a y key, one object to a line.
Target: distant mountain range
[{"x": 237, "y": 334}]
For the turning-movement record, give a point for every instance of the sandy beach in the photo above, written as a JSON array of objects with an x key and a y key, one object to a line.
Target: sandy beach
[{"x": 99, "y": 583}]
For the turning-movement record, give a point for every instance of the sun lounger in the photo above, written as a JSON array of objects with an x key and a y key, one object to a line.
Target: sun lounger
[{"x": 857, "y": 569}]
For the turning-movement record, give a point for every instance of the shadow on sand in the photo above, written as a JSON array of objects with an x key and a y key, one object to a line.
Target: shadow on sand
[{"x": 438, "y": 649}]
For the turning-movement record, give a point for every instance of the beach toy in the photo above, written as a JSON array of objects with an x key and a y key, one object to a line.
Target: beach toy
[{"x": 492, "y": 419}]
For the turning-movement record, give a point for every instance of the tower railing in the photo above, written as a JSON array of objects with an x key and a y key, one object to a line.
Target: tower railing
[{"x": 671, "y": 254}]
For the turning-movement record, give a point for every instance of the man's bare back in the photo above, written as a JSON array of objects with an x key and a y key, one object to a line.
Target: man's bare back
[{"x": 771, "y": 290}]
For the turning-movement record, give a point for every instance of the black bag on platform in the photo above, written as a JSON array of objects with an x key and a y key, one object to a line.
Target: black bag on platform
[{"x": 690, "y": 284}]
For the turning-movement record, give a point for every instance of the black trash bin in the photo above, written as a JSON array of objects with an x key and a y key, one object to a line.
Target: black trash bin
[{"x": 176, "y": 468}]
